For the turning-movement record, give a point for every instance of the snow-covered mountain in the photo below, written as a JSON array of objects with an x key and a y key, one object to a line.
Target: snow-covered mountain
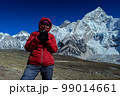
[
  {"x": 13, "y": 42},
  {"x": 100, "y": 32},
  {"x": 22, "y": 36}
]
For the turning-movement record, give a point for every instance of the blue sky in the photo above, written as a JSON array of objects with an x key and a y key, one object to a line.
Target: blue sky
[{"x": 17, "y": 15}]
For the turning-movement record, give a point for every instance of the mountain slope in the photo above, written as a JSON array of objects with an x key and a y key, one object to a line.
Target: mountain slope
[{"x": 100, "y": 32}]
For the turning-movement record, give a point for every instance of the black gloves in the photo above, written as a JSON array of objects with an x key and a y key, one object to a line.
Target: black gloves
[{"x": 43, "y": 36}]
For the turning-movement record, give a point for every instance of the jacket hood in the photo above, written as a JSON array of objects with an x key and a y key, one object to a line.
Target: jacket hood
[{"x": 42, "y": 19}]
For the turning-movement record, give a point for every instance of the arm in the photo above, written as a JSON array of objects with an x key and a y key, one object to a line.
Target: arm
[
  {"x": 51, "y": 44},
  {"x": 32, "y": 42}
]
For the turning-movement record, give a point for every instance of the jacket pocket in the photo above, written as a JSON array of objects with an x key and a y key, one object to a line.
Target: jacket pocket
[
  {"x": 35, "y": 57},
  {"x": 48, "y": 58}
]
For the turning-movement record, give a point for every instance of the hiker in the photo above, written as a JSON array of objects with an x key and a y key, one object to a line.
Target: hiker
[{"x": 41, "y": 44}]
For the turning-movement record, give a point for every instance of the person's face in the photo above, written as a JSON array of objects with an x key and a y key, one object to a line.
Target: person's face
[{"x": 45, "y": 26}]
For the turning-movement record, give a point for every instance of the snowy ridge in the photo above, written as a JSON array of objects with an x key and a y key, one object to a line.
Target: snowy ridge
[
  {"x": 13, "y": 42},
  {"x": 21, "y": 33},
  {"x": 22, "y": 36}
]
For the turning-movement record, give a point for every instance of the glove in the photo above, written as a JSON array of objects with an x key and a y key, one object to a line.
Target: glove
[{"x": 43, "y": 36}]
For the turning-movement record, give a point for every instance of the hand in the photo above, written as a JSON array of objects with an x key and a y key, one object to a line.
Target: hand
[
  {"x": 39, "y": 37},
  {"x": 43, "y": 36}
]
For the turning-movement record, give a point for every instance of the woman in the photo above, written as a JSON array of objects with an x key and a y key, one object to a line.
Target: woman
[{"x": 41, "y": 44}]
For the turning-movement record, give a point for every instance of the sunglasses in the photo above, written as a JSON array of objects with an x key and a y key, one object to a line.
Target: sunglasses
[{"x": 45, "y": 26}]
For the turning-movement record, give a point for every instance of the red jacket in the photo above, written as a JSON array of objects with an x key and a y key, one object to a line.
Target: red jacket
[{"x": 41, "y": 54}]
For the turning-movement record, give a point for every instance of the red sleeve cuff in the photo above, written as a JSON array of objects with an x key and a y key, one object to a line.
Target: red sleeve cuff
[{"x": 36, "y": 41}]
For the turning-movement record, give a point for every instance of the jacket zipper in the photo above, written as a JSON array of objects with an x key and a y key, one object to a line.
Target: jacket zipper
[{"x": 42, "y": 57}]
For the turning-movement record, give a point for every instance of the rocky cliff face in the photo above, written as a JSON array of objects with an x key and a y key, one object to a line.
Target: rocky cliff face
[{"x": 100, "y": 33}]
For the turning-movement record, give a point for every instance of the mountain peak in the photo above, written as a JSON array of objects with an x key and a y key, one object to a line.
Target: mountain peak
[
  {"x": 1, "y": 33},
  {"x": 64, "y": 24},
  {"x": 98, "y": 9},
  {"x": 22, "y": 33},
  {"x": 97, "y": 14}
]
